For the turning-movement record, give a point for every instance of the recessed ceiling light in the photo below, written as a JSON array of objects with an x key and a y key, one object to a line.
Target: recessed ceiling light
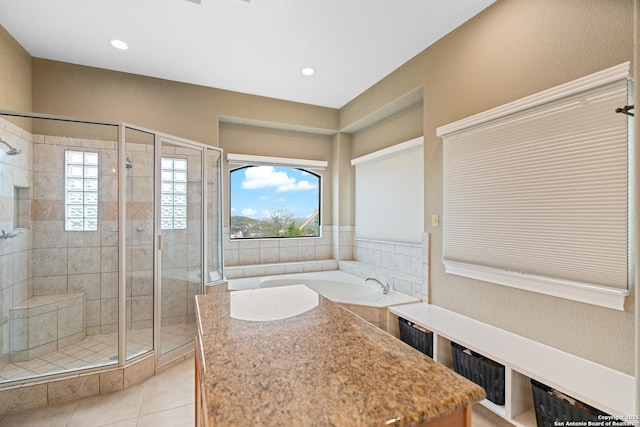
[
  {"x": 119, "y": 44},
  {"x": 308, "y": 71}
]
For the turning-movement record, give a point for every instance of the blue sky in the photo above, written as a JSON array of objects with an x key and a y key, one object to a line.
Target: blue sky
[{"x": 258, "y": 190}]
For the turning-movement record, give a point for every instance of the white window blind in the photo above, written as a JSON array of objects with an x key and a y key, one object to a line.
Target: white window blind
[
  {"x": 538, "y": 198},
  {"x": 389, "y": 193}
]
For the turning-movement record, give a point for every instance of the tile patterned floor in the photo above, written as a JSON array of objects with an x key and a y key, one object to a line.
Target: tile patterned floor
[
  {"x": 163, "y": 400},
  {"x": 97, "y": 350},
  {"x": 166, "y": 399}
]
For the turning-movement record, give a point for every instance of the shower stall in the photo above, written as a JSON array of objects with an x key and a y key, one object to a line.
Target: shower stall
[{"x": 108, "y": 232}]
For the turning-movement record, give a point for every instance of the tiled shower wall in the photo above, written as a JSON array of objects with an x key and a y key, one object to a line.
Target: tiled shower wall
[
  {"x": 16, "y": 282},
  {"x": 76, "y": 261},
  {"x": 181, "y": 253},
  {"x": 139, "y": 235}
]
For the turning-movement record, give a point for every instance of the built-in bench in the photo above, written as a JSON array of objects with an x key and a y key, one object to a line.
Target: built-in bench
[
  {"x": 601, "y": 387},
  {"x": 46, "y": 323}
]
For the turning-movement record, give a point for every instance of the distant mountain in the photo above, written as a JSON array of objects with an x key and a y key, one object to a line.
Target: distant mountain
[
  {"x": 242, "y": 226},
  {"x": 243, "y": 221}
]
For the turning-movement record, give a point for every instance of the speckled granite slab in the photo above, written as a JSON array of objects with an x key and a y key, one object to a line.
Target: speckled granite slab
[{"x": 319, "y": 367}]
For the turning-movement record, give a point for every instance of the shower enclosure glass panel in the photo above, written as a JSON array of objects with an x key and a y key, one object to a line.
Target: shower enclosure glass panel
[
  {"x": 181, "y": 230},
  {"x": 213, "y": 225},
  {"x": 139, "y": 174},
  {"x": 107, "y": 231},
  {"x": 59, "y": 248}
]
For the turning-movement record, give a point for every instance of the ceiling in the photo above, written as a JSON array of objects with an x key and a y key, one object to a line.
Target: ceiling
[{"x": 257, "y": 47}]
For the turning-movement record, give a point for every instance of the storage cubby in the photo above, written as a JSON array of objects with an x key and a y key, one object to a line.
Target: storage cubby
[
  {"x": 481, "y": 370},
  {"x": 608, "y": 390},
  {"x": 417, "y": 337},
  {"x": 22, "y": 208}
]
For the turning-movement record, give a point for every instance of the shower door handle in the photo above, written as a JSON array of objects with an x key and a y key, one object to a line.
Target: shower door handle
[{"x": 159, "y": 242}]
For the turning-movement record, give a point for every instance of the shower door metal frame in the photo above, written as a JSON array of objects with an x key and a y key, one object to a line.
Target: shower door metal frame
[{"x": 159, "y": 138}]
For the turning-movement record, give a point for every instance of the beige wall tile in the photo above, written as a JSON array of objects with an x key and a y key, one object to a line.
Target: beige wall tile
[
  {"x": 83, "y": 239},
  {"x": 83, "y": 260},
  {"x": 174, "y": 304},
  {"x": 73, "y": 388},
  {"x": 48, "y": 158},
  {"x": 111, "y": 381},
  {"x": 142, "y": 308},
  {"x": 50, "y": 285},
  {"x": 48, "y": 185},
  {"x": 89, "y": 284},
  {"x": 23, "y": 398},
  {"x": 109, "y": 311},
  {"x": 71, "y": 321},
  {"x": 108, "y": 259},
  {"x": 49, "y": 234},
  {"x": 49, "y": 262},
  {"x": 139, "y": 371},
  {"x": 43, "y": 329}
]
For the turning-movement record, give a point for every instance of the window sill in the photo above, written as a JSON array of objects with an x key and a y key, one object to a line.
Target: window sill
[{"x": 574, "y": 291}]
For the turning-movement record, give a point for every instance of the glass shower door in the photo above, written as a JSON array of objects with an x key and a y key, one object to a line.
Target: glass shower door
[
  {"x": 181, "y": 249},
  {"x": 139, "y": 175}
]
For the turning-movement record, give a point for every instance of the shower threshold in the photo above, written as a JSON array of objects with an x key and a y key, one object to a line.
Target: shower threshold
[{"x": 95, "y": 351}]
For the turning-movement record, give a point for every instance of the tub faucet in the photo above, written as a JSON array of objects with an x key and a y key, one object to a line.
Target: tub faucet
[{"x": 385, "y": 288}]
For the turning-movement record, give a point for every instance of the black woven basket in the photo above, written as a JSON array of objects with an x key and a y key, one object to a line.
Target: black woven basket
[
  {"x": 416, "y": 338},
  {"x": 481, "y": 370},
  {"x": 551, "y": 408}
]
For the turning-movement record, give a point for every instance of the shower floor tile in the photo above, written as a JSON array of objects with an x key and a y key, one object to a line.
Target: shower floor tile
[{"x": 96, "y": 350}]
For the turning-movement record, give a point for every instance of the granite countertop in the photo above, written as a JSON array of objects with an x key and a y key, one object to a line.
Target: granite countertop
[{"x": 288, "y": 356}]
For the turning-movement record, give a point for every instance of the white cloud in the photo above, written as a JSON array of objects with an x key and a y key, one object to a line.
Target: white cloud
[
  {"x": 249, "y": 212},
  {"x": 296, "y": 186},
  {"x": 266, "y": 177},
  {"x": 233, "y": 209}
]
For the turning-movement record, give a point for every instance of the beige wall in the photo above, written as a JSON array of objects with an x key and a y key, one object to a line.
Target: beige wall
[
  {"x": 512, "y": 49},
  {"x": 399, "y": 127},
  {"x": 259, "y": 141},
  {"x": 185, "y": 110},
  {"x": 343, "y": 188},
  {"x": 15, "y": 77}
]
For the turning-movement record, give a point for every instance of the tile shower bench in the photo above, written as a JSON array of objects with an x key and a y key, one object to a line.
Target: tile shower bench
[
  {"x": 46, "y": 323},
  {"x": 524, "y": 359}
]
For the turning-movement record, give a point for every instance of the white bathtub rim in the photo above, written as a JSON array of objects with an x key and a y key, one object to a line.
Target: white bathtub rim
[{"x": 377, "y": 299}]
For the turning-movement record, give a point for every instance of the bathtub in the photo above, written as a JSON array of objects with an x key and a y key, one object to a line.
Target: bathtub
[{"x": 335, "y": 285}]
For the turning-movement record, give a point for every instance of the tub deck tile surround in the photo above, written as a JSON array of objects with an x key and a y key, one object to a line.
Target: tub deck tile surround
[
  {"x": 324, "y": 366},
  {"x": 242, "y": 271}
]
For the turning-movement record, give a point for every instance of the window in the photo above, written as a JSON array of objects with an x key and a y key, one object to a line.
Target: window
[
  {"x": 536, "y": 192},
  {"x": 274, "y": 201},
  {"x": 81, "y": 191},
  {"x": 389, "y": 193},
  {"x": 173, "y": 194}
]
